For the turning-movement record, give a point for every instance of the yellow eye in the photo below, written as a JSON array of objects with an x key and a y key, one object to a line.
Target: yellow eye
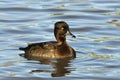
[{"x": 62, "y": 28}]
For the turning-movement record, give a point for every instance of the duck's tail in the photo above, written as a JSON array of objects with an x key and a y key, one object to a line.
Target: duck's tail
[{"x": 22, "y": 48}]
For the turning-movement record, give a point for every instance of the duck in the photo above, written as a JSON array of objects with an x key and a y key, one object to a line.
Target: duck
[{"x": 52, "y": 49}]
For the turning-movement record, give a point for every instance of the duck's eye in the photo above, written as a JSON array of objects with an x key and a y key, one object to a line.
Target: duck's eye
[{"x": 62, "y": 28}]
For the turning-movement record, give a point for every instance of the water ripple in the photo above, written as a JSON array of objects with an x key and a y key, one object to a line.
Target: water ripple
[
  {"x": 94, "y": 22},
  {"x": 13, "y": 21},
  {"x": 32, "y": 9}
]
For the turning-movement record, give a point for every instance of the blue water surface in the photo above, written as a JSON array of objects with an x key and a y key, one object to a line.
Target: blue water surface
[{"x": 96, "y": 24}]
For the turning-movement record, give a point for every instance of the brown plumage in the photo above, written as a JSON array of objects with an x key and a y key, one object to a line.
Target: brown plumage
[{"x": 52, "y": 49}]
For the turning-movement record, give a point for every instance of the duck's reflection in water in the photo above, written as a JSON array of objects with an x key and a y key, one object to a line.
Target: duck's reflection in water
[{"x": 61, "y": 67}]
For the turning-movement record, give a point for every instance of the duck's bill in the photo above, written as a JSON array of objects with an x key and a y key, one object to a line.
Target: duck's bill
[{"x": 69, "y": 33}]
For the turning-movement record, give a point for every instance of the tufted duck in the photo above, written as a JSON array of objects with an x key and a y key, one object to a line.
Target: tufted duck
[{"x": 52, "y": 49}]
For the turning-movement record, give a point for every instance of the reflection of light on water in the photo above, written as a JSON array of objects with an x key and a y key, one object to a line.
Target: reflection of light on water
[
  {"x": 103, "y": 56},
  {"x": 118, "y": 24},
  {"x": 115, "y": 22},
  {"x": 95, "y": 55},
  {"x": 81, "y": 1}
]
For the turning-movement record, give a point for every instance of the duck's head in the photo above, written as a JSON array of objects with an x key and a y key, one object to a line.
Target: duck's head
[{"x": 61, "y": 29}]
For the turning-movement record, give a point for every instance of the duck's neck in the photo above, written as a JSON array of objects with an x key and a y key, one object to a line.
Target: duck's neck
[{"x": 61, "y": 39}]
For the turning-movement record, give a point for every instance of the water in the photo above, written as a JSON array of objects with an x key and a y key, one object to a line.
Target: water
[{"x": 96, "y": 23}]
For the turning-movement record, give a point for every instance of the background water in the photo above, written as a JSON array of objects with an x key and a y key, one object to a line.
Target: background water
[{"x": 96, "y": 24}]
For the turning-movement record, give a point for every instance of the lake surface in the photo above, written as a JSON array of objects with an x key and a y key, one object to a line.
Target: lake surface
[{"x": 96, "y": 24}]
